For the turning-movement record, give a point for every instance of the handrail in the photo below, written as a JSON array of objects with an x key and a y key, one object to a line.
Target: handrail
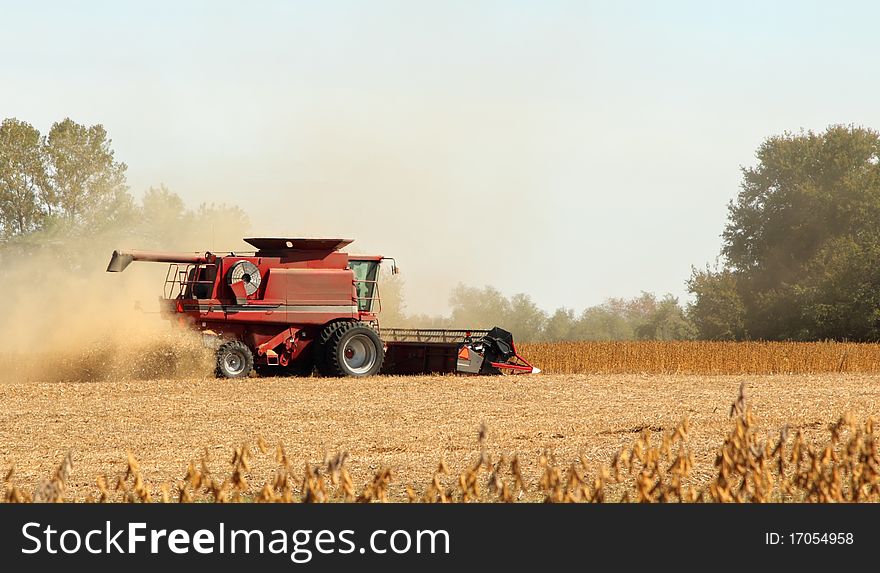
[
  {"x": 177, "y": 281},
  {"x": 375, "y": 296}
]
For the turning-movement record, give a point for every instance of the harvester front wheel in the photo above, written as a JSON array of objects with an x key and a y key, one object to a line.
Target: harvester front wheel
[
  {"x": 234, "y": 360},
  {"x": 353, "y": 349}
]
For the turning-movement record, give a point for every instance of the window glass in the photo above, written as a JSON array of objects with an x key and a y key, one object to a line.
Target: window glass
[{"x": 364, "y": 282}]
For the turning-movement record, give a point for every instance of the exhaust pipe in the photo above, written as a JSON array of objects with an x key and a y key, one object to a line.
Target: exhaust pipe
[{"x": 121, "y": 259}]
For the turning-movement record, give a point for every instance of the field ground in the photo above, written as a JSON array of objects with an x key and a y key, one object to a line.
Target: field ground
[{"x": 407, "y": 423}]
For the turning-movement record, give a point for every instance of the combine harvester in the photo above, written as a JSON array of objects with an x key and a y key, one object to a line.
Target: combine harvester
[{"x": 294, "y": 305}]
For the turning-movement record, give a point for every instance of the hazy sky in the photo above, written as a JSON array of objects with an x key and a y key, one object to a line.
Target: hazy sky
[{"x": 572, "y": 151}]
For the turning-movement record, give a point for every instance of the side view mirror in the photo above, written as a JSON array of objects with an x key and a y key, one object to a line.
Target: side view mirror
[{"x": 395, "y": 270}]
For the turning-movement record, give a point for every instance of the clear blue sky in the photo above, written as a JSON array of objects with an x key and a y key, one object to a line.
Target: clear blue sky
[{"x": 570, "y": 150}]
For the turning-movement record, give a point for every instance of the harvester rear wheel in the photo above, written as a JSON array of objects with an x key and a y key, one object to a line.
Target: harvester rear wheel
[
  {"x": 234, "y": 360},
  {"x": 352, "y": 349},
  {"x": 321, "y": 346}
]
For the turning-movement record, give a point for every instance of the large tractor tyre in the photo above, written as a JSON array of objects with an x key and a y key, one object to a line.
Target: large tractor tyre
[
  {"x": 353, "y": 349},
  {"x": 234, "y": 360},
  {"x": 320, "y": 356}
]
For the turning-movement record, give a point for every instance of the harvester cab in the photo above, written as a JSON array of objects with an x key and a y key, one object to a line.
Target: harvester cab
[{"x": 294, "y": 305}]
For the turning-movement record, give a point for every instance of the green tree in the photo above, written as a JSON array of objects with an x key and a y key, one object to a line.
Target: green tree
[
  {"x": 641, "y": 317},
  {"x": 162, "y": 208},
  {"x": 666, "y": 321},
  {"x": 86, "y": 180},
  {"x": 526, "y": 321},
  {"x": 487, "y": 307},
  {"x": 163, "y": 217},
  {"x": 560, "y": 325},
  {"x": 607, "y": 321},
  {"x": 474, "y": 307},
  {"x": 23, "y": 179},
  {"x": 717, "y": 312},
  {"x": 841, "y": 291},
  {"x": 806, "y": 214}
]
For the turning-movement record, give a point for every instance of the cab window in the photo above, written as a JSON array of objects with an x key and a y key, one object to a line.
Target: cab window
[{"x": 365, "y": 282}]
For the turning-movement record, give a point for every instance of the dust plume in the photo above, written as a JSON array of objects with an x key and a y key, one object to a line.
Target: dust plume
[{"x": 69, "y": 320}]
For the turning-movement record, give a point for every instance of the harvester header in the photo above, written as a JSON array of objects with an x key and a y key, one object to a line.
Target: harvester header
[{"x": 299, "y": 304}]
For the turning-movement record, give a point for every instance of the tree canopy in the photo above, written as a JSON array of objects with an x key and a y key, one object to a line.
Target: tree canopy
[
  {"x": 801, "y": 245},
  {"x": 24, "y": 181},
  {"x": 642, "y": 317},
  {"x": 68, "y": 185}
]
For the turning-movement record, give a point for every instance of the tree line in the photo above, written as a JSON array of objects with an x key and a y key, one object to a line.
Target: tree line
[
  {"x": 645, "y": 317},
  {"x": 68, "y": 176},
  {"x": 67, "y": 189}
]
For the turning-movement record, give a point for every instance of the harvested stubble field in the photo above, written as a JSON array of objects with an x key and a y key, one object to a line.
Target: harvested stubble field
[{"x": 405, "y": 423}]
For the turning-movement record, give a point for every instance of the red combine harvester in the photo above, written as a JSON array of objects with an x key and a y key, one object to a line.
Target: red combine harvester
[{"x": 294, "y": 305}]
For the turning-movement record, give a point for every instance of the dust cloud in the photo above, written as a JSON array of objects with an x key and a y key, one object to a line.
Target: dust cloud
[{"x": 68, "y": 320}]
